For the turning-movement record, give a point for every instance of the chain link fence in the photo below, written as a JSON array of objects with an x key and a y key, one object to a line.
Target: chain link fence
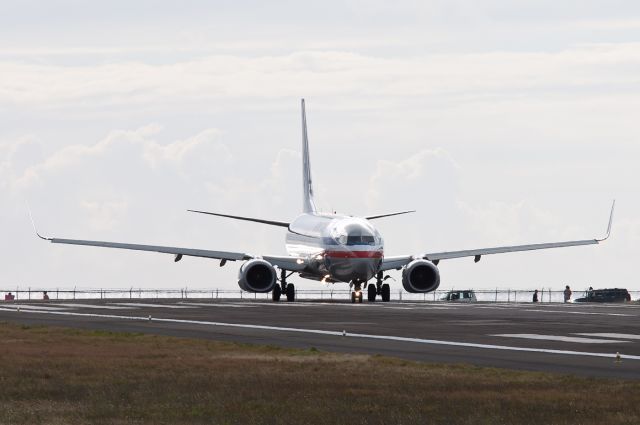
[{"x": 545, "y": 295}]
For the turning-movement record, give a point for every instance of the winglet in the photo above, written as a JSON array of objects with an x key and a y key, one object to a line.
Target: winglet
[
  {"x": 613, "y": 206},
  {"x": 33, "y": 223}
]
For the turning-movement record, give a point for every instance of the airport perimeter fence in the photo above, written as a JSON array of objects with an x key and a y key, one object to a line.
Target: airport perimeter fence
[{"x": 545, "y": 295}]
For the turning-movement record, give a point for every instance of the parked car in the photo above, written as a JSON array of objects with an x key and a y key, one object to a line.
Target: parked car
[
  {"x": 615, "y": 295},
  {"x": 465, "y": 296}
]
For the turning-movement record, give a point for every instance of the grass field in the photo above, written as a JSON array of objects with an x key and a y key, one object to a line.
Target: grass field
[{"x": 63, "y": 376}]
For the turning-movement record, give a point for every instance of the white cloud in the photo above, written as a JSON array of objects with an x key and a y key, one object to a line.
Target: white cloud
[
  {"x": 499, "y": 122},
  {"x": 427, "y": 172},
  {"x": 191, "y": 149},
  {"x": 105, "y": 215},
  {"x": 583, "y": 68}
]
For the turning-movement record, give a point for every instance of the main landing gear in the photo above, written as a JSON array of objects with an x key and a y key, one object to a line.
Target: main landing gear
[
  {"x": 373, "y": 290},
  {"x": 288, "y": 289},
  {"x": 379, "y": 288}
]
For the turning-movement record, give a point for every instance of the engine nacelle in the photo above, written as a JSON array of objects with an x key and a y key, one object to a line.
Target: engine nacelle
[
  {"x": 257, "y": 275},
  {"x": 420, "y": 276}
]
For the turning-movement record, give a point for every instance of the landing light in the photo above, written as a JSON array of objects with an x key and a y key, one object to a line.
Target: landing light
[
  {"x": 300, "y": 261},
  {"x": 319, "y": 257}
]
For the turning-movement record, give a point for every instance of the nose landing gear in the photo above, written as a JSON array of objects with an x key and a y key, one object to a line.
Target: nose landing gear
[
  {"x": 356, "y": 294},
  {"x": 356, "y": 297}
]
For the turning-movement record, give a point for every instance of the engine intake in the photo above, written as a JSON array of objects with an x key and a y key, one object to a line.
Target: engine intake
[
  {"x": 257, "y": 275},
  {"x": 420, "y": 276}
]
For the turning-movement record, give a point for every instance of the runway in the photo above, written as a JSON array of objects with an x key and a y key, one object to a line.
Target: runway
[{"x": 577, "y": 339}]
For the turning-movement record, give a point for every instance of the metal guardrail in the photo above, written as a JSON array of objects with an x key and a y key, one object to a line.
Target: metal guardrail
[{"x": 482, "y": 295}]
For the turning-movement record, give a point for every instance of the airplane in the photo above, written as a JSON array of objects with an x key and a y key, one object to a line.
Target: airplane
[{"x": 330, "y": 247}]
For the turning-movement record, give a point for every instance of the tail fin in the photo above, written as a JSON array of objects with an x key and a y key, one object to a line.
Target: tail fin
[{"x": 308, "y": 205}]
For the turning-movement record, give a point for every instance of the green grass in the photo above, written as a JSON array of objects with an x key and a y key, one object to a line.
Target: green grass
[{"x": 62, "y": 376}]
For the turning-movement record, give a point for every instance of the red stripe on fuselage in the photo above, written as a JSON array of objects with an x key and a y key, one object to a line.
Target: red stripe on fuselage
[{"x": 353, "y": 254}]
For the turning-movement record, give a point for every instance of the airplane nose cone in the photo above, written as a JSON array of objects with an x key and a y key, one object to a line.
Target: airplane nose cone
[{"x": 348, "y": 267}]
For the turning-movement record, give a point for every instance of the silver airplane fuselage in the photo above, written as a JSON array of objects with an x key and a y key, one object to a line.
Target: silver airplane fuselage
[{"x": 338, "y": 248}]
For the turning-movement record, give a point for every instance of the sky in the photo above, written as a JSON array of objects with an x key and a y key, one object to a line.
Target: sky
[{"x": 501, "y": 122}]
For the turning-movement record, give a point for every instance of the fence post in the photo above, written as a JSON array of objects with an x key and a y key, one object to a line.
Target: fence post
[
  {"x": 496, "y": 296},
  {"x": 29, "y": 289},
  {"x": 74, "y": 293},
  {"x": 400, "y": 294}
]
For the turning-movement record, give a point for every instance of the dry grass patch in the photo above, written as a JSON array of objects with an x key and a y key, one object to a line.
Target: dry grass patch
[{"x": 61, "y": 376}]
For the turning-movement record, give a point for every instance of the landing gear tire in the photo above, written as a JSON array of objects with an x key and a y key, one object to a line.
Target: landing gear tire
[
  {"x": 275, "y": 295},
  {"x": 353, "y": 297},
  {"x": 386, "y": 293},
  {"x": 291, "y": 292},
  {"x": 371, "y": 292}
]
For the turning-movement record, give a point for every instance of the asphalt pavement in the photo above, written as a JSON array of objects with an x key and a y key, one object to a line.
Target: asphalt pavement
[{"x": 581, "y": 339}]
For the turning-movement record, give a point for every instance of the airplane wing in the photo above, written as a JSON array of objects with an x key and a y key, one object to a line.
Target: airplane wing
[
  {"x": 389, "y": 263},
  {"x": 283, "y": 262},
  {"x": 178, "y": 252}
]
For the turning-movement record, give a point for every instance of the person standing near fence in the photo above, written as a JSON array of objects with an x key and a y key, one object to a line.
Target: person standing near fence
[
  {"x": 567, "y": 294},
  {"x": 535, "y": 296}
]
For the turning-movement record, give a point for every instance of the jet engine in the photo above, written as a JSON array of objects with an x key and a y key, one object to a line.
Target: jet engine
[
  {"x": 420, "y": 276},
  {"x": 257, "y": 275}
]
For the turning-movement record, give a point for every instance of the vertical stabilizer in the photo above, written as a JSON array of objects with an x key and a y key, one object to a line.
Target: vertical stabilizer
[{"x": 308, "y": 205}]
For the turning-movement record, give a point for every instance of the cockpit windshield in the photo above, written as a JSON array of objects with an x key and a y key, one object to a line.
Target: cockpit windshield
[
  {"x": 352, "y": 232},
  {"x": 361, "y": 240}
]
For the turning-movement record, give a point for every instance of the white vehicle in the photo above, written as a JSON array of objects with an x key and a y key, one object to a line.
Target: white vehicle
[
  {"x": 330, "y": 248},
  {"x": 466, "y": 296}
]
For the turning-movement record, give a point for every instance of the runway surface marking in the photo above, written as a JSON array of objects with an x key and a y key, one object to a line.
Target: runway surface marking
[
  {"x": 426, "y": 308},
  {"x": 217, "y": 305},
  {"x": 106, "y": 307},
  {"x": 582, "y": 312},
  {"x": 611, "y": 335},
  {"x": 560, "y": 338},
  {"x": 339, "y": 334},
  {"x": 34, "y": 307},
  {"x": 152, "y": 305},
  {"x": 546, "y": 310}
]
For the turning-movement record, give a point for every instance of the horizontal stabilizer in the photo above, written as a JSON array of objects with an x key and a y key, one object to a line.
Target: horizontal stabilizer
[
  {"x": 373, "y": 217},
  {"x": 237, "y": 217}
]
